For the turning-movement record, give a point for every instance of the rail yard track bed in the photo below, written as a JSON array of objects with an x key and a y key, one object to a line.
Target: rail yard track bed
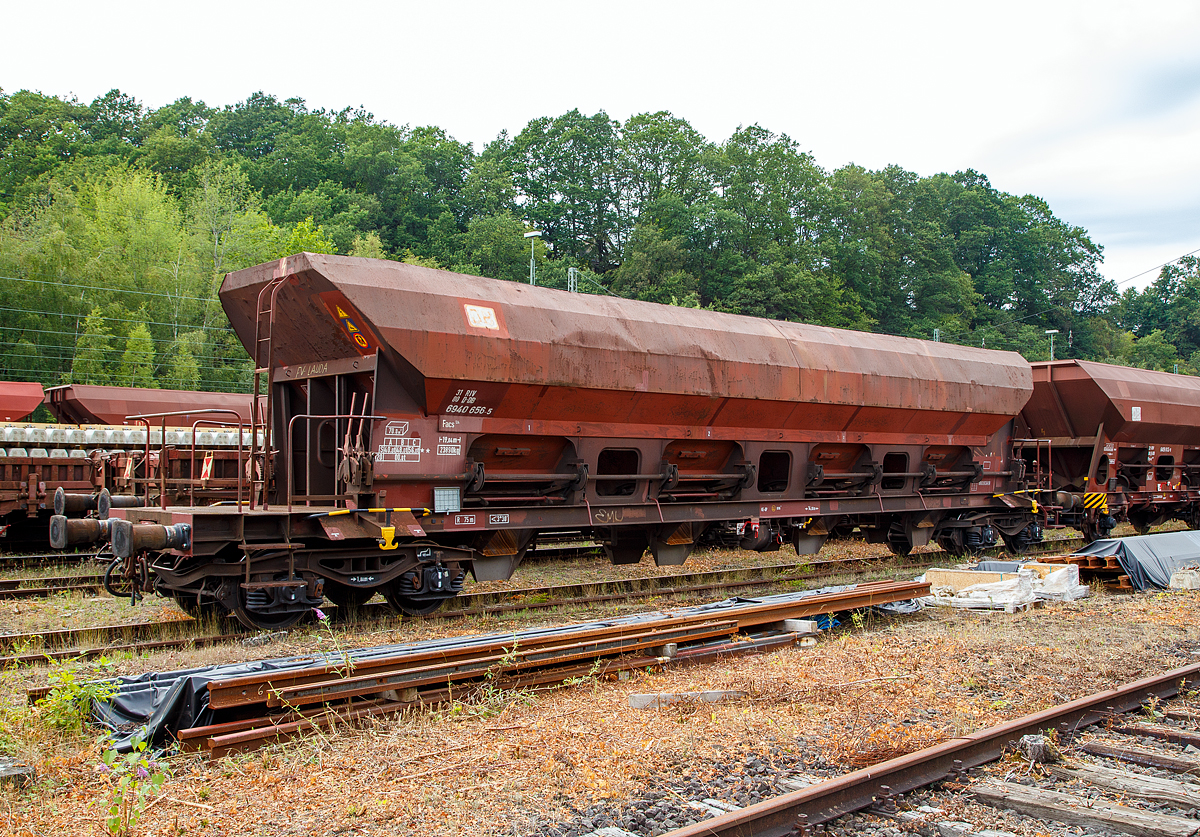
[
  {"x": 68, "y": 617},
  {"x": 509, "y": 760}
]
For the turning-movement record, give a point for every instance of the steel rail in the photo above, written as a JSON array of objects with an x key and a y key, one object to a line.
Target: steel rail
[
  {"x": 50, "y": 580},
  {"x": 64, "y": 637},
  {"x": 255, "y": 688},
  {"x": 708, "y": 634},
  {"x": 62, "y": 558},
  {"x": 855, "y": 791},
  {"x": 395, "y": 682},
  {"x": 46, "y": 592}
]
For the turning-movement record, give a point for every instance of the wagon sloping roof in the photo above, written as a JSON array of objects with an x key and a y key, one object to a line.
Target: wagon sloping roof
[
  {"x": 18, "y": 399},
  {"x": 1071, "y": 398},
  {"x": 566, "y": 356},
  {"x": 94, "y": 404}
]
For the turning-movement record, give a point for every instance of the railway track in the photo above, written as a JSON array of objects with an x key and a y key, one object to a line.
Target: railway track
[
  {"x": 18, "y": 560},
  {"x": 1085, "y": 781},
  {"x": 146, "y": 636},
  {"x": 91, "y": 583},
  {"x": 44, "y": 586}
]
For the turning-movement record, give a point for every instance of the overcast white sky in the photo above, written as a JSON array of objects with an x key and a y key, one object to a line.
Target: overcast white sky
[{"x": 1094, "y": 106}]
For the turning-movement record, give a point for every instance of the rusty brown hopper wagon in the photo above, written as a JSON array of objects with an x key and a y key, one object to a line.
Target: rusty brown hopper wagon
[
  {"x": 430, "y": 423},
  {"x": 68, "y": 465},
  {"x": 1120, "y": 443}
]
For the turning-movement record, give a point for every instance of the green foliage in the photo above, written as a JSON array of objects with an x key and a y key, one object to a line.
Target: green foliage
[
  {"x": 654, "y": 268},
  {"x": 93, "y": 352},
  {"x": 137, "y": 363},
  {"x": 73, "y": 692},
  {"x": 369, "y": 246},
  {"x": 135, "y": 775},
  {"x": 183, "y": 370},
  {"x": 304, "y": 237},
  {"x": 495, "y": 246},
  {"x": 113, "y": 215}
]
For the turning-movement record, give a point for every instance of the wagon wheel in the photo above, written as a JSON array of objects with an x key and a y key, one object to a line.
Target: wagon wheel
[
  {"x": 951, "y": 545},
  {"x": 1015, "y": 544},
  {"x": 259, "y": 621},
  {"x": 408, "y": 606},
  {"x": 346, "y": 597},
  {"x": 1140, "y": 523},
  {"x": 1089, "y": 531},
  {"x": 898, "y": 540},
  {"x": 1019, "y": 543},
  {"x": 196, "y": 606}
]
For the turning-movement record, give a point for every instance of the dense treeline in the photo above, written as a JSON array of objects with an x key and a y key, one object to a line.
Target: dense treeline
[{"x": 119, "y": 222}]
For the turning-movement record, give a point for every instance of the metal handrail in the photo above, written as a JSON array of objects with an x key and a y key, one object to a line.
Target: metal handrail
[
  {"x": 144, "y": 418},
  {"x": 192, "y": 462},
  {"x": 307, "y": 452}
]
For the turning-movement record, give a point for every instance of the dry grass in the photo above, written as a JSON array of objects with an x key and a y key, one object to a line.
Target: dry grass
[
  {"x": 496, "y": 761},
  {"x": 493, "y": 760}
]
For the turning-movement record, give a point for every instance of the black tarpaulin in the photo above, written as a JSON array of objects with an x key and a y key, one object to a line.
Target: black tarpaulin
[{"x": 1149, "y": 560}]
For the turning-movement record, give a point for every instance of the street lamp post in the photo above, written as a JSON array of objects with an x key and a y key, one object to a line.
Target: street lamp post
[
  {"x": 1052, "y": 332},
  {"x": 532, "y": 235}
]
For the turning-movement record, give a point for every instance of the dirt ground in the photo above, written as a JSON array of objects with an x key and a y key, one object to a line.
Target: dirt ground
[{"x": 497, "y": 761}]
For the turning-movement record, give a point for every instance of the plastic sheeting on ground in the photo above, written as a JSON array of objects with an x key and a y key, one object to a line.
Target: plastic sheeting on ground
[
  {"x": 1008, "y": 595},
  {"x": 1012, "y": 594},
  {"x": 1059, "y": 585},
  {"x": 163, "y": 703},
  {"x": 1149, "y": 560}
]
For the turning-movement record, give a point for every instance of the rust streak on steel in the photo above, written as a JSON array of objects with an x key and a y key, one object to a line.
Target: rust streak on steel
[
  {"x": 829, "y": 800},
  {"x": 514, "y": 658},
  {"x": 404, "y": 679},
  {"x": 257, "y": 688}
]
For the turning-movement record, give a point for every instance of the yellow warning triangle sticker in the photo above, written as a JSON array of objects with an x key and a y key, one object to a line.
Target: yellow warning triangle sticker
[{"x": 342, "y": 313}]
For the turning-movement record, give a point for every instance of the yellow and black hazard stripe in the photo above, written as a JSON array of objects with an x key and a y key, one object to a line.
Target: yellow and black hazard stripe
[{"x": 1096, "y": 501}]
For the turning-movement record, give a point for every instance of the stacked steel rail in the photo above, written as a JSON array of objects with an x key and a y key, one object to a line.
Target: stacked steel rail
[{"x": 250, "y": 710}]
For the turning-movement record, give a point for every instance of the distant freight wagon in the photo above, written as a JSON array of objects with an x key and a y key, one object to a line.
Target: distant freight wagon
[{"x": 92, "y": 449}]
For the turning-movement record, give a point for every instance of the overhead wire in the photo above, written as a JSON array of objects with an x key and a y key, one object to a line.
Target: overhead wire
[{"x": 77, "y": 285}]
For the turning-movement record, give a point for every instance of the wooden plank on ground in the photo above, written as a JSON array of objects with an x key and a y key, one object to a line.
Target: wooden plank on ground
[
  {"x": 1142, "y": 756},
  {"x": 1092, "y": 814},
  {"x": 1043, "y": 570},
  {"x": 961, "y": 579},
  {"x": 1163, "y": 733},
  {"x": 1181, "y": 794}
]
